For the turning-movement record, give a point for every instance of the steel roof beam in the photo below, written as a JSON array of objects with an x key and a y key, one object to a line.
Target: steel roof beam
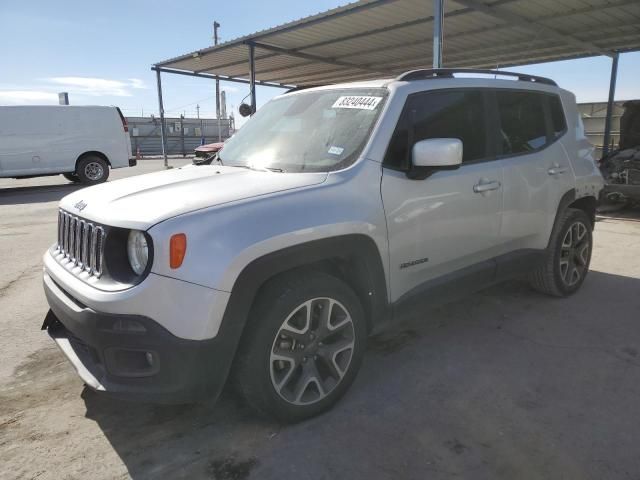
[
  {"x": 320, "y": 79},
  {"x": 225, "y": 78},
  {"x": 315, "y": 58},
  {"x": 532, "y": 25}
]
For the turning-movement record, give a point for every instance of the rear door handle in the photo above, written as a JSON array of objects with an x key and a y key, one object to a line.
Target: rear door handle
[
  {"x": 486, "y": 186},
  {"x": 556, "y": 170}
]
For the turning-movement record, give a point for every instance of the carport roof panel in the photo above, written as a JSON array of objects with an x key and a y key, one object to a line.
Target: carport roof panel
[{"x": 381, "y": 38}]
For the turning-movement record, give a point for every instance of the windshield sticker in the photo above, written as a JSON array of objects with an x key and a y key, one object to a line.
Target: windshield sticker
[
  {"x": 336, "y": 150},
  {"x": 359, "y": 102}
]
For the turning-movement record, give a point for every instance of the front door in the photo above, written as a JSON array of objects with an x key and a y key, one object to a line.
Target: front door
[{"x": 449, "y": 222}]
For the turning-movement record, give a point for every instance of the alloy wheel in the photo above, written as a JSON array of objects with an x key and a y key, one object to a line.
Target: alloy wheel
[
  {"x": 312, "y": 351},
  {"x": 574, "y": 254}
]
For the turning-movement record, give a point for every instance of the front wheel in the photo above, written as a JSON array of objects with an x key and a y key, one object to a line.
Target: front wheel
[
  {"x": 568, "y": 257},
  {"x": 304, "y": 345},
  {"x": 92, "y": 169},
  {"x": 72, "y": 177}
]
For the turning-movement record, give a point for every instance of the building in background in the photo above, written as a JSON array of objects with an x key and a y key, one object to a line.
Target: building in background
[{"x": 593, "y": 117}]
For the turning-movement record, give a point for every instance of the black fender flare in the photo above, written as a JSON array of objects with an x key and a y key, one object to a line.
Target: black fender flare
[
  {"x": 567, "y": 199},
  {"x": 367, "y": 266}
]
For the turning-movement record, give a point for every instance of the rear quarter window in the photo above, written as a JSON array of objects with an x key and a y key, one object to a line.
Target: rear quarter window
[{"x": 558, "y": 122}]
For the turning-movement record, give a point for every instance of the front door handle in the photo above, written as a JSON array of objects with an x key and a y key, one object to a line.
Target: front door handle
[
  {"x": 486, "y": 186},
  {"x": 556, "y": 170}
]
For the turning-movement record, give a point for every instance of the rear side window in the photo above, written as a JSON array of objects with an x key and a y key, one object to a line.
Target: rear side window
[
  {"x": 558, "y": 123},
  {"x": 522, "y": 121},
  {"x": 440, "y": 114}
]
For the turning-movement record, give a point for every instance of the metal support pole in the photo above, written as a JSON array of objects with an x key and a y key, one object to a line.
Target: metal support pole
[
  {"x": 612, "y": 94},
  {"x": 252, "y": 76},
  {"x": 216, "y": 25},
  {"x": 184, "y": 153},
  {"x": 438, "y": 20},
  {"x": 163, "y": 133}
]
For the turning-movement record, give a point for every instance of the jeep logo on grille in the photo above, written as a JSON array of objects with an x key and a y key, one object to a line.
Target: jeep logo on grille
[{"x": 81, "y": 205}]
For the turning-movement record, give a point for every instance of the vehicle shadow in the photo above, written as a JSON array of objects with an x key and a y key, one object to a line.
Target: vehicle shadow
[
  {"x": 498, "y": 384},
  {"x": 36, "y": 194},
  {"x": 165, "y": 441}
]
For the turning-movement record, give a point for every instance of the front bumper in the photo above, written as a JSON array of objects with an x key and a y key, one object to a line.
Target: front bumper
[{"x": 134, "y": 357}]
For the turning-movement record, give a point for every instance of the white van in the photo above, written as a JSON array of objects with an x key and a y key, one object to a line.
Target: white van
[{"x": 80, "y": 142}]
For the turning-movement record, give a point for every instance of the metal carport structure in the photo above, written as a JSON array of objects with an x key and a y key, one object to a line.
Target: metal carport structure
[{"x": 383, "y": 38}]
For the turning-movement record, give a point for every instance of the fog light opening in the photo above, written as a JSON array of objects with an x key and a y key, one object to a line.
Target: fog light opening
[
  {"x": 128, "y": 326},
  {"x": 123, "y": 362}
]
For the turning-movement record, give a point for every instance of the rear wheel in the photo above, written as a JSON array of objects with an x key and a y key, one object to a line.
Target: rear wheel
[
  {"x": 304, "y": 345},
  {"x": 92, "y": 169},
  {"x": 568, "y": 258}
]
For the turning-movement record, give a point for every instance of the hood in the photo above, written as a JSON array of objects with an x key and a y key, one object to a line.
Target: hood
[{"x": 142, "y": 201}]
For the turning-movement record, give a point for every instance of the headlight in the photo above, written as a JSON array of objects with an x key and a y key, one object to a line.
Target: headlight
[{"x": 138, "y": 251}]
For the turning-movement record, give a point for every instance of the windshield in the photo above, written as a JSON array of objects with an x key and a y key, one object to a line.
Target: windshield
[{"x": 315, "y": 131}]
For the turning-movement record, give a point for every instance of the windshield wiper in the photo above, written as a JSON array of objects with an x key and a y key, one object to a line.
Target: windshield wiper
[
  {"x": 255, "y": 169},
  {"x": 259, "y": 169}
]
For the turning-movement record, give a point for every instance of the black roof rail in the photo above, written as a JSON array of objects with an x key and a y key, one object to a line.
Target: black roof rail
[{"x": 449, "y": 72}]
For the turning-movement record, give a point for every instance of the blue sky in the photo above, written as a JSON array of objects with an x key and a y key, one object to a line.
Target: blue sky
[{"x": 101, "y": 52}]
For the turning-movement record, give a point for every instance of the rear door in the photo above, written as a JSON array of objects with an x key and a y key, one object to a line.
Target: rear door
[
  {"x": 451, "y": 220},
  {"x": 125, "y": 135},
  {"x": 537, "y": 171},
  {"x": 20, "y": 144}
]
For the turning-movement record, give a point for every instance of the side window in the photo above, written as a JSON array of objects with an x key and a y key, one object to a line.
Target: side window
[
  {"x": 522, "y": 121},
  {"x": 440, "y": 114},
  {"x": 558, "y": 123}
]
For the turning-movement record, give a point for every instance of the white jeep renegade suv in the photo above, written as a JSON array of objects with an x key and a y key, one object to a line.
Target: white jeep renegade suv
[{"x": 332, "y": 212}]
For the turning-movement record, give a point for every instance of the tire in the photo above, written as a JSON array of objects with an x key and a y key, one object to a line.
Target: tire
[
  {"x": 92, "y": 169},
  {"x": 72, "y": 177},
  {"x": 568, "y": 257},
  {"x": 283, "y": 354}
]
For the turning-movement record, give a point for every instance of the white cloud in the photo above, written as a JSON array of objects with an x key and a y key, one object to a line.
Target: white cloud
[
  {"x": 97, "y": 87},
  {"x": 22, "y": 97},
  {"x": 137, "y": 83},
  {"x": 46, "y": 90}
]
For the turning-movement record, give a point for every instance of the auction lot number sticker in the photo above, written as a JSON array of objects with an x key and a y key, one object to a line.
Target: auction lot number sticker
[{"x": 357, "y": 101}]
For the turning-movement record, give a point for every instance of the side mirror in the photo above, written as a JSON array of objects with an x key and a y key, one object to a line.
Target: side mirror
[{"x": 437, "y": 153}]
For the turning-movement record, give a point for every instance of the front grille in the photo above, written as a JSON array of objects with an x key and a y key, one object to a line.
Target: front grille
[{"x": 81, "y": 242}]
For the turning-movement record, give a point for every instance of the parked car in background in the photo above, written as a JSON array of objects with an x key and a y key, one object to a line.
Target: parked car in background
[
  {"x": 203, "y": 151},
  {"x": 332, "y": 212},
  {"x": 621, "y": 167},
  {"x": 80, "y": 142}
]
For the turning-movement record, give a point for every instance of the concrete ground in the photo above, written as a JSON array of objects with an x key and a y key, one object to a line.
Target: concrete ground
[{"x": 504, "y": 384}]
